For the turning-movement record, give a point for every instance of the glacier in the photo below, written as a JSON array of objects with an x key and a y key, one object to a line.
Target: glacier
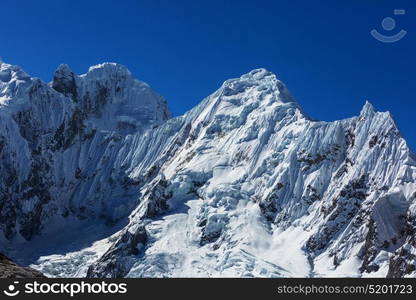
[{"x": 98, "y": 180}]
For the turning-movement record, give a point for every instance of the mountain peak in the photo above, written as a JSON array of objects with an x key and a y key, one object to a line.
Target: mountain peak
[
  {"x": 8, "y": 72},
  {"x": 257, "y": 75},
  {"x": 63, "y": 68},
  {"x": 257, "y": 84},
  {"x": 13, "y": 82},
  {"x": 368, "y": 109},
  {"x": 109, "y": 68},
  {"x": 64, "y": 81},
  {"x": 116, "y": 101},
  {"x": 260, "y": 74}
]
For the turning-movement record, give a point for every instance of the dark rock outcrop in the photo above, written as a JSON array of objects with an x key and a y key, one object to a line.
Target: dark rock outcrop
[
  {"x": 115, "y": 263},
  {"x": 9, "y": 269}
]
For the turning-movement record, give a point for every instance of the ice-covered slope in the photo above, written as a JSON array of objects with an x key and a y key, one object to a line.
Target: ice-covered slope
[{"x": 244, "y": 184}]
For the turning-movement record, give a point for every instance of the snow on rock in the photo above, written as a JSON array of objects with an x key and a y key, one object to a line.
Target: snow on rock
[{"x": 112, "y": 98}]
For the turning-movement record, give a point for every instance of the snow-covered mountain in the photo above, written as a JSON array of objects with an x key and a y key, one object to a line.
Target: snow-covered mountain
[{"x": 98, "y": 180}]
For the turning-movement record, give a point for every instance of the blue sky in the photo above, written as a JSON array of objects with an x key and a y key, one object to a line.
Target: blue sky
[{"x": 322, "y": 50}]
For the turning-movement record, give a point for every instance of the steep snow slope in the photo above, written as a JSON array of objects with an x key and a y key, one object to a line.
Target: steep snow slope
[{"x": 245, "y": 184}]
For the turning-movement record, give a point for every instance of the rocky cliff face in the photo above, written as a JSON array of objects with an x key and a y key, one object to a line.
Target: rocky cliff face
[{"x": 245, "y": 184}]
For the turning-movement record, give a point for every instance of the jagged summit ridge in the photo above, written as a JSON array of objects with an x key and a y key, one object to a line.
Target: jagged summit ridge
[
  {"x": 255, "y": 98},
  {"x": 109, "y": 67},
  {"x": 113, "y": 97},
  {"x": 368, "y": 110},
  {"x": 13, "y": 82},
  {"x": 260, "y": 79}
]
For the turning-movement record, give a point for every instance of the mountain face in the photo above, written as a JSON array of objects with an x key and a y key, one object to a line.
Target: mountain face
[
  {"x": 59, "y": 144},
  {"x": 98, "y": 180}
]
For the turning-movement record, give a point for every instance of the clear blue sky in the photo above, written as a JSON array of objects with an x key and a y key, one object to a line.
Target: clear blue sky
[{"x": 322, "y": 50}]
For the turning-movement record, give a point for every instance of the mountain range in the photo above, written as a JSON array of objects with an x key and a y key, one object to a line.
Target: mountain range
[{"x": 99, "y": 180}]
